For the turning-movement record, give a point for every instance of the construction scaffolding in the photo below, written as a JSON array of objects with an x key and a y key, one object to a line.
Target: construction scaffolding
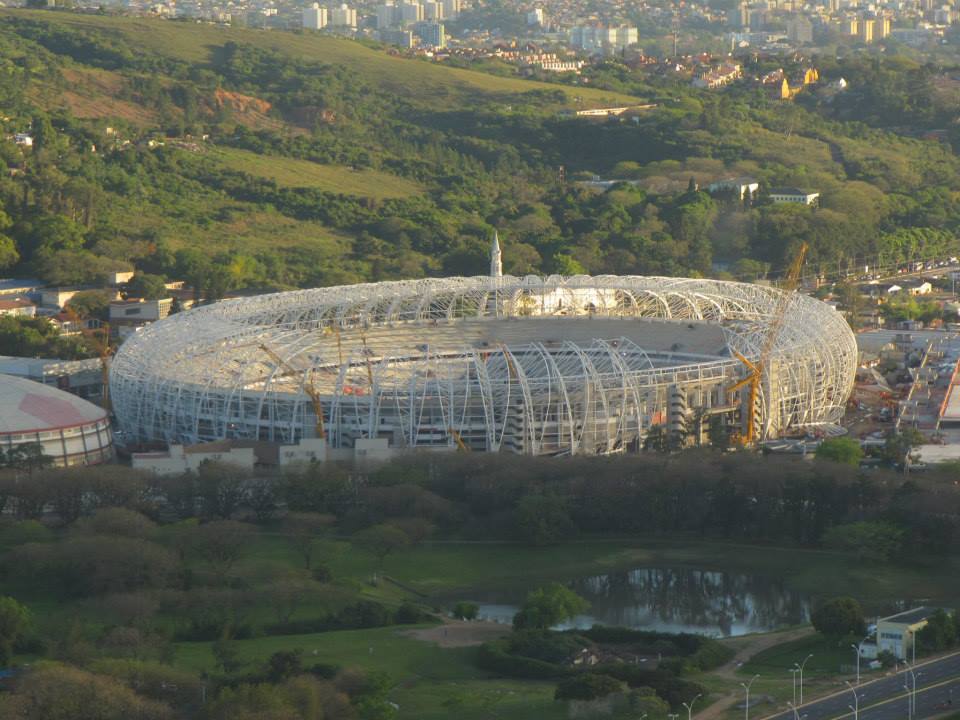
[{"x": 582, "y": 365}]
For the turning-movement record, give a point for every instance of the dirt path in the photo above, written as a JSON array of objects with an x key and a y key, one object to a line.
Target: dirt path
[
  {"x": 458, "y": 633},
  {"x": 745, "y": 651}
]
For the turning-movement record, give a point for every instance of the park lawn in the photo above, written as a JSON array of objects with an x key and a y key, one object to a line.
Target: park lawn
[
  {"x": 429, "y": 681},
  {"x": 295, "y": 173},
  {"x": 829, "y": 658}
]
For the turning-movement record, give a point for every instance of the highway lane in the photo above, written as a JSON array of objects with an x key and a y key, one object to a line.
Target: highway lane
[{"x": 938, "y": 683}]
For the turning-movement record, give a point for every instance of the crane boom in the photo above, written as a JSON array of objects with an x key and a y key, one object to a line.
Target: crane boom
[
  {"x": 756, "y": 370},
  {"x": 308, "y": 388}
]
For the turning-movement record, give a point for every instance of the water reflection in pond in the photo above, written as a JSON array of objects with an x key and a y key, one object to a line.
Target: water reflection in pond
[{"x": 676, "y": 600}]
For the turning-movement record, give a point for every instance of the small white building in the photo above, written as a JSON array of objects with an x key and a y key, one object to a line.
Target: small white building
[
  {"x": 794, "y": 195},
  {"x": 742, "y": 187},
  {"x": 898, "y": 633},
  {"x": 178, "y": 459},
  {"x": 57, "y": 297},
  {"x": 17, "y": 306},
  {"x": 23, "y": 139}
]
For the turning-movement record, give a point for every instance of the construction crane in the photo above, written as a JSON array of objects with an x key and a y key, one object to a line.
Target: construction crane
[
  {"x": 97, "y": 339},
  {"x": 308, "y": 388},
  {"x": 756, "y": 370},
  {"x": 461, "y": 445}
]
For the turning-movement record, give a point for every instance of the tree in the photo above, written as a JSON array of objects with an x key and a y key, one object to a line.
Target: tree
[
  {"x": 466, "y": 610},
  {"x": 839, "y": 618},
  {"x": 14, "y": 619},
  {"x": 588, "y": 686},
  {"x": 381, "y": 540},
  {"x": 222, "y": 488},
  {"x": 148, "y": 287},
  {"x": 549, "y": 606},
  {"x": 899, "y": 445},
  {"x": 543, "y": 519},
  {"x": 226, "y": 652},
  {"x": 91, "y": 304},
  {"x": 51, "y": 691},
  {"x": 220, "y": 543},
  {"x": 869, "y": 540},
  {"x": 940, "y": 633},
  {"x": 841, "y": 450},
  {"x": 304, "y": 530}
]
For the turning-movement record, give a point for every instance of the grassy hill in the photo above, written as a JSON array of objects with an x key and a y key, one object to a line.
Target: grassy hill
[
  {"x": 294, "y": 173},
  {"x": 426, "y": 81}
]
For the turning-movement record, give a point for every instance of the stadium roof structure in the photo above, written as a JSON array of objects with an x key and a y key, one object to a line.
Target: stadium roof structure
[{"x": 536, "y": 365}]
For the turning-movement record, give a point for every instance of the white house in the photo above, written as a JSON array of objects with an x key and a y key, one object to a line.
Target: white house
[
  {"x": 794, "y": 195},
  {"x": 741, "y": 187}
]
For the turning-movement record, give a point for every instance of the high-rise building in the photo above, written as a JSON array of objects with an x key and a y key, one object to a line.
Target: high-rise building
[
  {"x": 536, "y": 17},
  {"x": 607, "y": 39},
  {"x": 800, "y": 30},
  {"x": 388, "y": 15},
  {"x": 315, "y": 17},
  {"x": 343, "y": 16},
  {"x": 866, "y": 29},
  {"x": 403, "y": 38},
  {"x": 433, "y": 10},
  {"x": 431, "y": 34},
  {"x": 882, "y": 27},
  {"x": 451, "y": 9},
  {"x": 411, "y": 12}
]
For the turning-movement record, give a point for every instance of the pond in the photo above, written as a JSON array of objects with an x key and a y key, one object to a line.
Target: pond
[{"x": 707, "y": 602}]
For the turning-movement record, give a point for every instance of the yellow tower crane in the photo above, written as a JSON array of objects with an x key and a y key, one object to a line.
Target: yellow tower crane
[
  {"x": 97, "y": 339},
  {"x": 757, "y": 369},
  {"x": 308, "y": 387}
]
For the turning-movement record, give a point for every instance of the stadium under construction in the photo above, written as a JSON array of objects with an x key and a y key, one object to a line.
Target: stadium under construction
[{"x": 540, "y": 366}]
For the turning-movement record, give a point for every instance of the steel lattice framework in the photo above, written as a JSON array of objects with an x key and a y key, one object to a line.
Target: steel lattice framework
[{"x": 533, "y": 365}]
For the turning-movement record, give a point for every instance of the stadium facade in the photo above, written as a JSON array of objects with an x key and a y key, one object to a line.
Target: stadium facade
[{"x": 542, "y": 366}]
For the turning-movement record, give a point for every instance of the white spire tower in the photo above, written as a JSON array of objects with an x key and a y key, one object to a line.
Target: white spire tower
[{"x": 496, "y": 257}]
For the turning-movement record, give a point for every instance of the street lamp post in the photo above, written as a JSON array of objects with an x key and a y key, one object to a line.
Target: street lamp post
[
  {"x": 856, "y": 649},
  {"x": 906, "y": 686},
  {"x": 800, "y": 668},
  {"x": 793, "y": 671},
  {"x": 746, "y": 687},
  {"x": 913, "y": 695},
  {"x": 690, "y": 707},
  {"x": 856, "y": 701}
]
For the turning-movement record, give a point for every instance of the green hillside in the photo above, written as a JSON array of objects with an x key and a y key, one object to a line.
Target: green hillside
[
  {"x": 426, "y": 81},
  {"x": 233, "y": 157},
  {"x": 292, "y": 173}
]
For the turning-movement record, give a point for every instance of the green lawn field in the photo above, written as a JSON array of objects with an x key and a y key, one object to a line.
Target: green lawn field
[
  {"x": 428, "y": 682},
  {"x": 294, "y": 173}
]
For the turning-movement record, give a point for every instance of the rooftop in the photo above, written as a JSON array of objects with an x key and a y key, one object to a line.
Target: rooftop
[
  {"x": 27, "y": 406},
  {"x": 910, "y": 617}
]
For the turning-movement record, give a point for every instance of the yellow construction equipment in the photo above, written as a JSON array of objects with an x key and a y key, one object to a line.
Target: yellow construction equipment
[
  {"x": 757, "y": 369},
  {"x": 308, "y": 387},
  {"x": 366, "y": 356},
  {"x": 461, "y": 445},
  {"x": 96, "y": 338}
]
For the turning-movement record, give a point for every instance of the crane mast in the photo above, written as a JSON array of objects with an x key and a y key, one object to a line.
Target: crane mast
[
  {"x": 308, "y": 387},
  {"x": 757, "y": 370}
]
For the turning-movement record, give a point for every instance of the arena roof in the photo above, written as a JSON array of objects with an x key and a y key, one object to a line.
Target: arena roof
[{"x": 27, "y": 406}]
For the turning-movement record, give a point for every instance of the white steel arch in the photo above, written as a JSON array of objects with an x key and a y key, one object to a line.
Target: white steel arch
[{"x": 533, "y": 365}]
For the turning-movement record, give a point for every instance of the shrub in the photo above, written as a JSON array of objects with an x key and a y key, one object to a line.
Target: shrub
[
  {"x": 466, "y": 610},
  {"x": 551, "y": 647},
  {"x": 493, "y": 656},
  {"x": 587, "y": 686}
]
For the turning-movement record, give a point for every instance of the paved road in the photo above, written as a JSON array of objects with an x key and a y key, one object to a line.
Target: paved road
[{"x": 938, "y": 691}]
